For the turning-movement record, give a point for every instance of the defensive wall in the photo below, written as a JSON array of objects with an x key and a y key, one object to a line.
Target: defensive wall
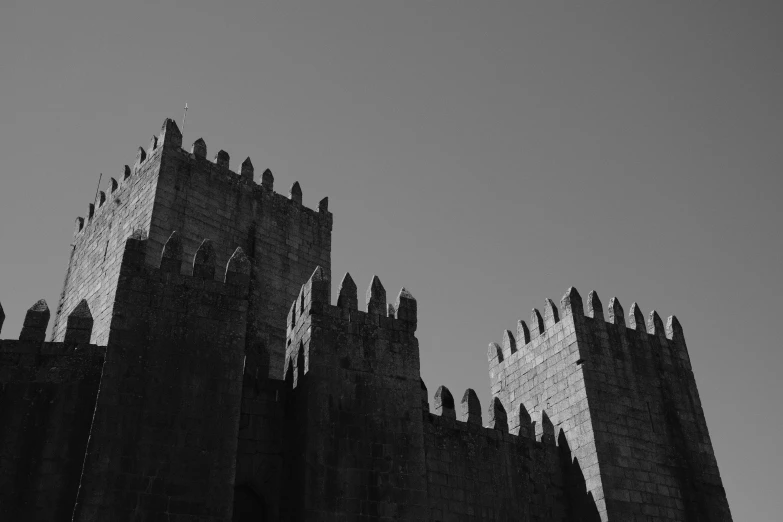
[
  {"x": 223, "y": 384},
  {"x": 47, "y": 395},
  {"x": 369, "y": 445}
]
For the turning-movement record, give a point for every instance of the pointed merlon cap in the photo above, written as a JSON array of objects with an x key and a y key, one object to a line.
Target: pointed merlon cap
[
  {"x": 571, "y": 303},
  {"x": 636, "y": 318},
  {"x": 246, "y": 170},
  {"x": 405, "y": 307},
  {"x": 594, "y": 307},
  {"x": 113, "y": 184},
  {"x": 79, "y": 225},
  {"x": 444, "y": 404},
  {"x": 170, "y": 135},
  {"x": 522, "y": 424},
  {"x": 199, "y": 148},
  {"x": 544, "y": 429},
  {"x": 323, "y": 205},
  {"x": 523, "y": 333},
  {"x": 126, "y": 172},
  {"x": 495, "y": 353},
  {"x": 509, "y": 344},
  {"x": 498, "y": 419},
  {"x": 655, "y": 325},
  {"x": 551, "y": 315},
  {"x": 171, "y": 257},
  {"x": 2, "y": 317},
  {"x": 35, "y": 322},
  {"x": 295, "y": 194},
  {"x": 238, "y": 269},
  {"x": 319, "y": 286},
  {"x": 536, "y": 323},
  {"x": 347, "y": 296},
  {"x": 141, "y": 155},
  {"x": 375, "y": 298},
  {"x": 616, "y": 314},
  {"x": 79, "y": 325},
  {"x": 471, "y": 408},
  {"x": 674, "y": 330},
  {"x": 268, "y": 180},
  {"x": 101, "y": 198},
  {"x": 153, "y": 144},
  {"x": 222, "y": 158},
  {"x": 204, "y": 261}
]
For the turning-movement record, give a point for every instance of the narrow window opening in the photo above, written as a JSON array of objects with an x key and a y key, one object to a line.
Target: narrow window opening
[{"x": 106, "y": 250}]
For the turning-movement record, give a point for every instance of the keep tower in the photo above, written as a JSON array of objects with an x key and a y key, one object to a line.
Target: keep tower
[{"x": 170, "y": 189}]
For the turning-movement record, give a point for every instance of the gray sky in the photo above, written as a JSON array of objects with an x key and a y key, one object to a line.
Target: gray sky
[{"x": 485, "y": 155}]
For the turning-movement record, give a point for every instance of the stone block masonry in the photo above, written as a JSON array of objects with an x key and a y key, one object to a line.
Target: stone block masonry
[
  {"x": 47, "y": 397},
  {"x": 627, "y": 403},
  {"x": 170, "y": 189},
  {"x": 200, "y": 372},
  {"x": 164, "y": 437}
]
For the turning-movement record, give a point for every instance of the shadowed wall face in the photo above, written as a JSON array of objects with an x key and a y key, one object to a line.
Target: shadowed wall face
[
  {"x": 203, "y": 199},
  {"x": 47, "y": 399},
  {"x": 164, "y": 438}
]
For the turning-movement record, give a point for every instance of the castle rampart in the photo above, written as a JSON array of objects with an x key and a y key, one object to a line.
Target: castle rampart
[
  {"x": 223, "y": 384},
  {"x": 47, "y": 394}
]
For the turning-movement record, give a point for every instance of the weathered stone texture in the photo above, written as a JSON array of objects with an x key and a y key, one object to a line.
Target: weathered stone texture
[
  {"x": 628, "y": 407},
  {"x": 223, "y": 384},
  {"x": 47, "y": 395},
  {"x": 164, "y": 438}
]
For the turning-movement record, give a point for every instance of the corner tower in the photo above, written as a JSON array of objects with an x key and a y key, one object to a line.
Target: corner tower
[
  {"x": 626, "y": 401},
  {"x": 170, "y": 189}
]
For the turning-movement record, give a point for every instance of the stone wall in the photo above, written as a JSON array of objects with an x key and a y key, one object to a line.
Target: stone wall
[
  {"x": 538, "y": 373},
  {"x": 653, "y": 445},
  {"x": 164, "y": 438},
  {"x": 481, "y": 473},
  {"x": 356, "y": 406},
  {"x": 626, "y": 401},
  {"x": 47, "y": 399},
  {"x": 200, "y": 199},
  {"x": 99, "y": 237}
]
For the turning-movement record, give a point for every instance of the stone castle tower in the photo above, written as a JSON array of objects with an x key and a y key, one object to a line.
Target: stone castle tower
[{"x": 200, "y": 370}]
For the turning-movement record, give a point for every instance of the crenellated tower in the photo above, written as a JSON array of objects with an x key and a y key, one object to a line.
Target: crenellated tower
[
  {"x": 169, "y": 188},
  {"x": 625, "y": 398}
]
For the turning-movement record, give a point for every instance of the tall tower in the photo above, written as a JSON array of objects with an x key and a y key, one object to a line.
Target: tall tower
[
  {"x": 170, "y": 189},
  {"x": 626, "y": 401}
]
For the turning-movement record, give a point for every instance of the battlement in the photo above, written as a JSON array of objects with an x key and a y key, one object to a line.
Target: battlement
[
  {"x": 198, "y": 273},
  {"x": 526, "y": 347},
  {"x": 170, "y": 139},
  {"x": 313, "y": 308},
  {"x": 514, "y": 429}
]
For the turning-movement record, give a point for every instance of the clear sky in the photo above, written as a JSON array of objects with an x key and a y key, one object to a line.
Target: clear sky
[{"x": 486, "y": 155}]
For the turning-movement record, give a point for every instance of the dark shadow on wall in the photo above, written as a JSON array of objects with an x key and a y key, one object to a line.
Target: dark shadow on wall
[
  {"x": 249, "y": 506},
  {"x": 581, "y": 505}
]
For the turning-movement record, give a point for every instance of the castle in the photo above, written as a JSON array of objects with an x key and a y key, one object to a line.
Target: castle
[{"x": 200, "y": 370}]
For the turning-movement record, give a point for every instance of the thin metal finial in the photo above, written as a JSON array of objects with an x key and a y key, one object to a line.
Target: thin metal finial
[{"x": 183, "y": 118}]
